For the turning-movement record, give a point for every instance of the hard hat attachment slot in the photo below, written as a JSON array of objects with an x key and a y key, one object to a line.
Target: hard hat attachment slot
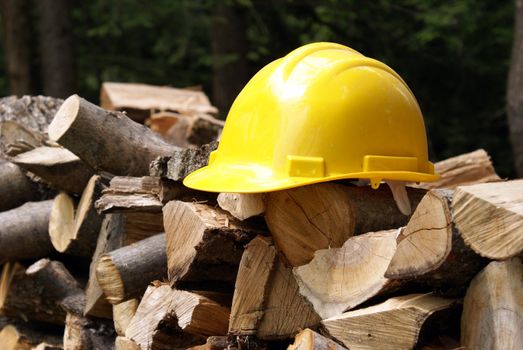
[{"x": 300, "y": 166}]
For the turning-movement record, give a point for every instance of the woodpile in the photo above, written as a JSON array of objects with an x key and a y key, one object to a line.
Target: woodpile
[{"x": 102, "y": 247}]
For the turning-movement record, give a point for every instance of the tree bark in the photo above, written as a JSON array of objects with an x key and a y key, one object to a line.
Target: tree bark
[
  {"x": 15, "y": 187},
  {"x": 515, "y": 91},
  {"x": 56, "y": 50}
]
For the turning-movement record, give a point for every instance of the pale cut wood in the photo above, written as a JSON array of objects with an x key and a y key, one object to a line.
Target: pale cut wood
[
  {"x": 196, "y": 234},
  {"x": 310, "y": 340},
  {"x": 15, "y": 187},
  {"x": 57, "y": 167},
  {"x": 73, "y": 231},
  {"x": 119, "y": 145},
  {"x": 490, "y": 218},
  {"x": 266, "y": 300},
  {"x": 340, "y": 279},
  {"x": 123, "y": 314},
  {"x": 82, "y": 333},
  {"x": 123, "y": 343},
  {"x": 117, "y": 230},
  {"x": 465, "y": 169},
  {"x": 46, "y": 346},
  {"x": 124, "y": 273},
  {"x": 431, "y": 249},
  {"x": 16, "y": 138},
  {"x": 394, "y": 324},
  {"x": 493, "y": 308},
  {"x": 305, "y": 219},
  {"x": 24, "y": 232},
  {"x": 242, "y": 205},
  {"x": 19, "y": 335}
]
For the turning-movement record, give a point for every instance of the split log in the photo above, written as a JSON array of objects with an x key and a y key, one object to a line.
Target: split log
[
  {"x": 310, "y": 340},
  {"x": 16, "y": 138},
  {"x": 125, "y": 273},
  {"x": 167, "y": 317},
  {"x": 490, "y": 218},
  {"x": 121, "y": 146},
  {"x": 204, "y": 244},
  {"x": 394, "y": 324},
  {"x": 41, "y": 293},
  {"x": 17, "y": 335},
  {"x": 304, "y": 219},
  {"x": 430, "y": 248},
  {"x": 131, "y": 194},
  {"x": 24, "y": 232},
  {"x": 123, "y": 313},
  {"x": 75, "y": 232},
  {"x": 123, "y": 343},
  {"x": 82, "y": 333},
  {"x": 15, "y": 187},
  {"x": 340, "y": 279},
  {"x": 242, "y": 205},
  {"x": 465, "y": 169},
  {"x": 493, "y": 308},
  {"x": 266, "y": 301},
  {"x": 57, "y": 167}
]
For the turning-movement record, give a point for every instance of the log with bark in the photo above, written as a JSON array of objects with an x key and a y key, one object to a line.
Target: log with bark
[
  {"x": 266, "y": 301},
  {"x": 204, "y": 244},
  {"x": 57, "y": 167},
  {"x": 24, "y": 232},
  {"x": 242, "y": 205},
  {"x": 125, "y": 273},
  {"x": 490, "y": 218},
  {"x": 394, "y": 324},
  {"x": 310, "y": 340},
  {"x": 15, "y": 187},
  {"x": 305, "y": 219},
  {"x": 106, "y": 141},
  {"x": 493, "y": 308},
  {"x": 75, "y": 232}
]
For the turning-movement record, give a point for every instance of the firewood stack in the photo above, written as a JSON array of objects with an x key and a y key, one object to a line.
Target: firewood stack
[{"x": 103, "y": 248}]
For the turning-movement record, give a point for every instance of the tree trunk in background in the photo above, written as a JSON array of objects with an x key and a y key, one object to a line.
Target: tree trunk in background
[
  {"x": 15, "y": 22},
  {"x": 229, "y": 50},
  {"x": 515, "y": 91},
  {"x": 55, "y": 47}
]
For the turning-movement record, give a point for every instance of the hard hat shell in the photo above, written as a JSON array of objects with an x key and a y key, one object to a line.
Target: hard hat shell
[{"x": 323, "y": 112}]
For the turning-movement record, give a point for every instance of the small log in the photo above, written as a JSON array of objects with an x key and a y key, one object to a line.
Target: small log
[
  {"x": 493, "y": 308},
  {"x": 83, "y": 333},
  {"x": 310, "y": 340},
  {"x": 196, "y": 234},
  {"x": 57, "y": 167},
  {"x": 242, "y": 205},
  {"x": 340, "y": 279},
  {"x": 303, "y": 220},
  {"x": 490, "y": 218},
  {"x": 121, "y": 146},
  {"x": 123, "y": 313},
  {"x": 41, "y": 293},
  {"x": 266, "y": 301},
  {"x": 125, "y": 273},
  {"x": 24, "y": 232},
  {"x": 393, "y": 324},
  {"x": 75, "y": 232},
  {"x": 123, "y": 343},
  {"x": 117, "y": 230},
  {"x": 15, "y": 187},
  {"x": 466, "y": 169},
  {"x": 430, "y": 248},
  {"x": 167, "y": 317}
]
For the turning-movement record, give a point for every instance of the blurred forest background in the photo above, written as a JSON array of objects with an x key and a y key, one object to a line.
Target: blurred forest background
[{"x": 455, "y": 55}]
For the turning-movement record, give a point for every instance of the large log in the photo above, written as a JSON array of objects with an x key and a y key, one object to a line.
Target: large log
[
  {"x": 24, "y": 232},
  {"x": 493, "y": 308},
  {"x": 305, "y": 219},
  {"x": 490, "y": 218},
  {"x": 75, "y": 232},
  {"x": 394, "y": 324},
  {"x": 57, "y": 167},
  {"x": 204, "y": 244},
  {"x": 15, "y": 187},
  {"x": 125, "y": 273},
  {"x": 105, "y": 140},
  {"x": 266, "y": 301}
]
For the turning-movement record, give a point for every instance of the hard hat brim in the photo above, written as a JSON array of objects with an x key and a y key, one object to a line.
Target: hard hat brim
[{"x": 256, "y": 179}]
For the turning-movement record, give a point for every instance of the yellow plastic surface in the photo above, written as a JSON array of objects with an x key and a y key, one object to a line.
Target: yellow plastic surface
[{"x": 323, "y": 112}]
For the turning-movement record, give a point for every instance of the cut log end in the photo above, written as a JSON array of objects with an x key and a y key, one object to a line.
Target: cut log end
[
  {"x": 64, "y": 117},
  {"x": 109, "y": 279},
  {"x": 61, "y": 222}
]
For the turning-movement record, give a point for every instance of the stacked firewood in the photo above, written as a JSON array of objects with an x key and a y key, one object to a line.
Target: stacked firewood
[{"x": 103, "y": 248}]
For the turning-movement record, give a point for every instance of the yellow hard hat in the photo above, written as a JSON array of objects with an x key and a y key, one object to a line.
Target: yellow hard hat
[{"x": 323, "y": 112}]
